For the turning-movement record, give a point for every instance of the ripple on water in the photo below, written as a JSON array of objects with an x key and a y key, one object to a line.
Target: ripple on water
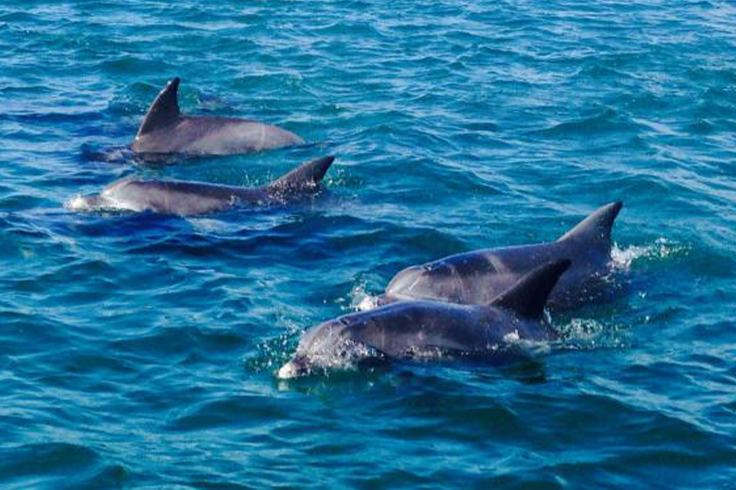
[{"x": 63, "y": 464}]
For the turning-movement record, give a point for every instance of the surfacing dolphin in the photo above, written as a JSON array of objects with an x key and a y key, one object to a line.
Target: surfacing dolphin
[
  {"x": 166, "y": 130},
  {"x": 411, "y": 328},
  {"x": 479, "y": 276},
  {"x": 189, "y": 198}
]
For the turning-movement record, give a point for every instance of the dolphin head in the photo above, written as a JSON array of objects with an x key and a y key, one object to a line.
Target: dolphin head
[
  {"x": 93, "y": 202},
  {"x": 111, "y": 198},
  {"x": 85, "y": 203},
  {"x": 404, "y": 284},
  {"x": 331, "y": 345},
  {"x": 436, "y": 280},
  {"x": 313, "y": 352}
]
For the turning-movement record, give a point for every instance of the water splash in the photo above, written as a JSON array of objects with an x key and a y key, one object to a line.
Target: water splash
[
  {"x": 525, "y": 347},
  {"x": 590, "y": 334},
  {"x": 360, "y": 298},
  {"x": 662, "y": 248}
]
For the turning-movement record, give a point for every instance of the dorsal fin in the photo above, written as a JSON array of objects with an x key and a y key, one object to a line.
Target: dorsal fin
[
  {"x": 596, "y": 228},
  {"x": 164, "y": 110},
  {"x": 306, "y": 175},
  {"x": 528, "y": 296}
]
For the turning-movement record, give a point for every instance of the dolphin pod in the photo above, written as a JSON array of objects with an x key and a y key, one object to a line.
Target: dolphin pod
[
  {"x": 165, "y": 130},
  {"x": 409, "y": 328},
  {"x": 476, "y": 303},
  {"x": 479, "y": 276},
  {"x": 189, "y": 198}
]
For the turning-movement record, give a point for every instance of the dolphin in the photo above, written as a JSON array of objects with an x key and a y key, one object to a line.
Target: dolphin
[
  {"x": 479, "y": 276},
  {"x": 166, "y": 130},
  {"x": 188, "y": 198},
  {"x": 408, "y": 329}
]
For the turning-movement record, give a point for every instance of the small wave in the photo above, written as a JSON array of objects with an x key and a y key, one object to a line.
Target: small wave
[
  {"x": 50, "y": 461},
  {"x": 209, "y": 225},
  {"x": 662, "y": 248},
  {"x": 525, "y": 347},
  {"x": 603, "y": 123}
]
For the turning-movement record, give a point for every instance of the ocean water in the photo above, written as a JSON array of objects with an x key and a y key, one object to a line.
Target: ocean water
[{"x": 139, "y": 351}]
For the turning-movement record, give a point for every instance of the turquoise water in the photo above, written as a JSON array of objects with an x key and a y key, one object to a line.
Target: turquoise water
[{"x": 139, "y": 351}]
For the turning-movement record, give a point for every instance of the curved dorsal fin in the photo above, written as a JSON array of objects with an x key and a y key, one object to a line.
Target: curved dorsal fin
[
  {"x": 164, "y": 110},
  {"x": 305, "y": 175},
  {"x": 596, "y": 228},
  {"x": 528, "y": 296}
]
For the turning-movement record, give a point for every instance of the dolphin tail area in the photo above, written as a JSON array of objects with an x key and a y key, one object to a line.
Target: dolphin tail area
[
  {"x": 307, "y": 175},
  {"x": 596, "y": 228},
  {"x": 528, "y": 296}
]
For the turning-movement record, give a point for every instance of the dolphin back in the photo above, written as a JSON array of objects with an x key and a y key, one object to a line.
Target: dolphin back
[{"x": 166, "y": 130}]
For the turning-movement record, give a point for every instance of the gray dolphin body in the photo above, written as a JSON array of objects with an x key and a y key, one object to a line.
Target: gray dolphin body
[
  {"x": 189, "y": 198},
  {"x": 166, "y": 130},
  {"x": 479, "y": 276},
  {"x": 409, "y": 328}
]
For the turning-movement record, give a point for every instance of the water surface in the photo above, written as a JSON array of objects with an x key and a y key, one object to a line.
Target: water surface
[{"x": 139, "y": 351}]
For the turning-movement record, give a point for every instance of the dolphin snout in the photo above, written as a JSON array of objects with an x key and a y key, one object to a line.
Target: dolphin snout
[
  {"x": 294, "y": 368},
  {"x": 85, "y": 203}
]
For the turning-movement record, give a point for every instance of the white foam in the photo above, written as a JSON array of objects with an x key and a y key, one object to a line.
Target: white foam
[
  {"x": 660, "y": 249},
  {"x": 361, "y": 300},
  {"x": 77, "y": 203},
  {"x": 208, "y": 225},
  {"x": 287, "y": 371},
  {"x": 367, "y": 303},
  {"x": 584, "y": 330}
]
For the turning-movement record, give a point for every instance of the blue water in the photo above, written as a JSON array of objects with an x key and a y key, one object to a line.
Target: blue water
[{"x": 139, "y": 351}]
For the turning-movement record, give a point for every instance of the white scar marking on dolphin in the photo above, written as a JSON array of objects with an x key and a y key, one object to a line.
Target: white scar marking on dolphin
[
  {"x": 497, "y": 264},
  {"x": 413, "y": 283}
]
